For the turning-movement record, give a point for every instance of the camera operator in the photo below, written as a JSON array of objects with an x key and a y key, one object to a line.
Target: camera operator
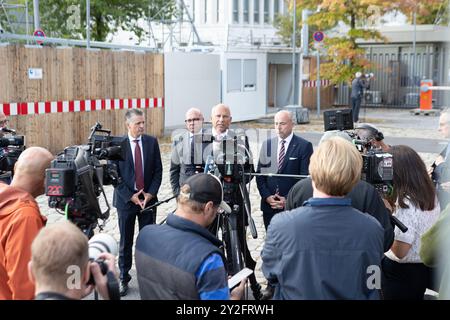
[
  {"x": 61, "y": 270},
  {"x": 187, "y": 155},
  {"x": 364, "y": 196},
  {"x": 372, "y": 136},
  {"x": 324, "y": 249},
  {"x": 141, "y": 174},
  {"x": 20, "y": 221},
  {"x": 359, "y": 84},
  {"x": 440, "y": 170},
  {"x": 221, "y": 121},
  {"x": 180, "y": 260}
]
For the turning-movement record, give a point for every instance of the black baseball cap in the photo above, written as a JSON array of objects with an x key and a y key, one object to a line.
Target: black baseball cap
[{"x": 207, "y": 187}]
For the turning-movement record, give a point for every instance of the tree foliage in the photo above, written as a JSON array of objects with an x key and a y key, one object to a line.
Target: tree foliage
[
  {"x": 358, "y": 18},
  {"x": 67, "y": 18},
  {"x": 427, "y": 12}
]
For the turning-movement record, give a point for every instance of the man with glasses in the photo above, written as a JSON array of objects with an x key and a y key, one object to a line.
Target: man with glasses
[{"x": 187, "y": 150}]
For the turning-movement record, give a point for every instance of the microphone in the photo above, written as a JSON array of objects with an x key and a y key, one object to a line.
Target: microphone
[
  {"x": 209, "y": 161},
  {"x": 100, "y": 243},
  {"x": 7, "y": 130}
]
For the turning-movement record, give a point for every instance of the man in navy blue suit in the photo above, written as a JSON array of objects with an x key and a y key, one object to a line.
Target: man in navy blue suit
[
  {"x": 285, "y": 154},
  {"x": 141, "y": 173}
]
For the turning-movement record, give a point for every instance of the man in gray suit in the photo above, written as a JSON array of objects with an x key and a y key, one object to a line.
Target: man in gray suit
[{"x": 187, "y": 150}]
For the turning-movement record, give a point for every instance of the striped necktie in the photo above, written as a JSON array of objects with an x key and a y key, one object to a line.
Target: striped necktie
[{"x": 281, "y": 155}]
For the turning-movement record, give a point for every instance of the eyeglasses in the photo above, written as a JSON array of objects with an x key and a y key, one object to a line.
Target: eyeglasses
[{"x": 192, "y": 120}]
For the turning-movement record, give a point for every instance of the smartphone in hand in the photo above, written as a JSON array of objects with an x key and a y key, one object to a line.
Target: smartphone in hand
[{"x": 238, "y": 277}]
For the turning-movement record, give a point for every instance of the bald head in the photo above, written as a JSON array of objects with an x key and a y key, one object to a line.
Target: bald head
[
  {"x": 221, "y": 118},
  {"x": 29, "y": 170},
  {"x": 283, "y": 123},
  {"x": 194, "y": 120}
]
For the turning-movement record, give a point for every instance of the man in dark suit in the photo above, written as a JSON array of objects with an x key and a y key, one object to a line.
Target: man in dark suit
[
  {"x": 285, "y": 154},
  {"x": 187, "y": 150},
  {"x": 221, "y": 121},
  {"x": 141, "y": 173}
]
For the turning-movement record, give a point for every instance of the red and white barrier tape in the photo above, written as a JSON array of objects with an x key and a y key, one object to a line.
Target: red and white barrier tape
[
  {"x": 313, "y": 83},
  {"x": 27, "y": 108}
]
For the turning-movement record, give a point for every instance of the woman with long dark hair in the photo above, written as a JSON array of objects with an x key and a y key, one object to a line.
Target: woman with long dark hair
[{"x": 415, "y": 204}]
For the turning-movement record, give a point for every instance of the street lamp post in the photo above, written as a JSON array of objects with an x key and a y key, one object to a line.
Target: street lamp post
[
  {"x": 294, "y": 22},
  {"x": 88, "y": 24}
]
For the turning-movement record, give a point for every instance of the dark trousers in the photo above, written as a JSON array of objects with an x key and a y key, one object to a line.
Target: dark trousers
[
  {"x": 127, "y": 220},
  {"x": 356, "y": 105},
  {"x": 405, "y": 281},
  {"x": 267, "y": 217}
]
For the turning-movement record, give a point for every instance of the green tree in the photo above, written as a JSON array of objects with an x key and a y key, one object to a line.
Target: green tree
[
  {"x": 358, "y": 17},
  {"x": 67, "y": 18},
  {"x": 427, "y": 12}
]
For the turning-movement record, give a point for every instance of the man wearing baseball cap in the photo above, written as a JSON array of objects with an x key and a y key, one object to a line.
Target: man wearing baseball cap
[{"x": 181, "y": 259}]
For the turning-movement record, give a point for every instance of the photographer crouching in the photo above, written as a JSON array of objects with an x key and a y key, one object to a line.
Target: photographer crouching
[{"x": 61, "y": 270}]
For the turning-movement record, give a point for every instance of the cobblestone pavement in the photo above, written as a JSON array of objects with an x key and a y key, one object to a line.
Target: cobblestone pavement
[{"x": 386, "y": 123}]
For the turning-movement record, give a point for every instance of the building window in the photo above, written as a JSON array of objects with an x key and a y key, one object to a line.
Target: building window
[
  {"x": 266, "y": 11},
  {"x": 241, "y": 75},
  {"x": 276, "y": 8},
  {"x": 256, "y": 11},
  {"x": 236, "y": 11},
  {"x": 246, "y": 13},
  {"x": 249, "y": 75},
  {"x": 234, "y": 75}
]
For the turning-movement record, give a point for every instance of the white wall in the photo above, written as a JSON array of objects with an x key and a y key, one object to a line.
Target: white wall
[
  {"x": 246, "y": 105},
  {"x": 191, "y": 80}
]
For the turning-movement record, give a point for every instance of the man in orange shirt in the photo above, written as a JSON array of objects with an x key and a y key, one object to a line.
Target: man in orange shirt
[{"x": 20, "y": 221}]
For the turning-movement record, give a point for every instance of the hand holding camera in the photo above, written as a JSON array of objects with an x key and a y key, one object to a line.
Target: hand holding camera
[{"x": 99, "y": 268}]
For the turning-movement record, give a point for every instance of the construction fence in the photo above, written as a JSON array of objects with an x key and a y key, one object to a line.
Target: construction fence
[{"x": 54, "y": 95}]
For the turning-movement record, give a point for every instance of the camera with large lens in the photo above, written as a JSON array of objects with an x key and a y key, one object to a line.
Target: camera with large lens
[
  {"x": 99, "y": 244},
  {"x": 76, "y": 178},
  {"x": 10, "y": 149}
]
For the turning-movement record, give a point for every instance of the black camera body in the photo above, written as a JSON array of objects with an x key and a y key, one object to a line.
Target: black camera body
[
  {"x": 377, "y": 165},
  {"x": 76, "y": 177},
  {"x": 378, "y": 170},
  {"x": 10, "y": 150}
]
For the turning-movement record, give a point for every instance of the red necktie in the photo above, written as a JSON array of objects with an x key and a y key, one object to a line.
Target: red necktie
[
  {"x": 281, "y": 155},
  {"x": 138, "y": 166}
]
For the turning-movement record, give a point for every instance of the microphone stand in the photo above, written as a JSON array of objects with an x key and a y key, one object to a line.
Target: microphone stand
[
  {"x": 279, "y": 175},
  {"x": 157, "y": 204}
]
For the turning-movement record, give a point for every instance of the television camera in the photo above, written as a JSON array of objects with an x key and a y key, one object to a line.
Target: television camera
[
  {"x": 76, "y": 178},
  {"x": 11, "y": 147},
  {"x": 377, "y": 165}
]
